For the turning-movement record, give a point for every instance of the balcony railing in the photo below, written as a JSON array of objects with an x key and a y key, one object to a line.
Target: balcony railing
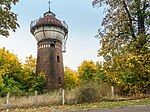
[{"x": 48, "y": 20}]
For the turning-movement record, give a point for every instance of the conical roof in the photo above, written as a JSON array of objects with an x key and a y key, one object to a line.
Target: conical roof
[{"x": 49, "y": 19}]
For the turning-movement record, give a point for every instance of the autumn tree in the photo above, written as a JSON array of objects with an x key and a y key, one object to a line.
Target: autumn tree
[
  {"x": 19, "y": 78},
  {"x": 10, "y": 69},
  {"x": 92, "y": 84},
  {"x": 90, "y": 71},
  {"x": 124, "y": 36},
  {"x": 71, "y": 78},
  {"x": 87, "y": 70},
  {"x": 28, "y": 72},
  {"x": 126, "y": 25},
  {"x": 8, "y": 19},
  {"x": 30, "y": 82}
]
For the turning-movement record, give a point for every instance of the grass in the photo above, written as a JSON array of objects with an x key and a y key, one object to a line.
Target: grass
[
  {"x": 60, "y": 108},
  {"x": 30, "y": 101},
  {"x": 51, "y": 102}
]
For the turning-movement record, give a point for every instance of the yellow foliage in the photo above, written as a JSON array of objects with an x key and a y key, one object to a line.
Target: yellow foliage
[
  {"x": 9, "y": 63},
  {"x": 87, "y": 69},
  {"x": 1, "y": 81},
  {"x": 29, "y": 68},
  {"x": 71, "y": 78}
]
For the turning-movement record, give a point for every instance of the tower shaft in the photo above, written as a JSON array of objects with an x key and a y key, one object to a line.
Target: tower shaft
[{"x": 50, "y": 62}]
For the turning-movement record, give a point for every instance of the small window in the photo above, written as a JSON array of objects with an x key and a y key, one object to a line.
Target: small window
[
  {"x": 58, "y": 59},
  {"x": 53, "y": 45},
  {"x": 59, "y": 80}
]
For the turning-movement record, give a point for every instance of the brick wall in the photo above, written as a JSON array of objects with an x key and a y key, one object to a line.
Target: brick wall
[{"x": 50, "y": 62}]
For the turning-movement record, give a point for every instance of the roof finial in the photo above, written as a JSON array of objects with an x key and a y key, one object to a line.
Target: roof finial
[
  {"x": 49, "y": 5},
  {"x": 49, "y": 12}
]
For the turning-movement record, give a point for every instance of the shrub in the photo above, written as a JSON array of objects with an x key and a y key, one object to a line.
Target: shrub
[{"x": 87, "y": 92}]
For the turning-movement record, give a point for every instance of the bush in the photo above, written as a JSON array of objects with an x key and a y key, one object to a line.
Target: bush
[
  {"x": 87, "y": 92},
  {"x": 10, "y": 86},
  {"x": 92, "y": 91}
]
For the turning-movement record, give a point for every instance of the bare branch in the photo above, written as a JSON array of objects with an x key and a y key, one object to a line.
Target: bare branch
[{"x": 130, "y": 19}]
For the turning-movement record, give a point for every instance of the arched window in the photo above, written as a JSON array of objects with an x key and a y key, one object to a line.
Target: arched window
[
  {"x": 53, "y": 45},
  {"x": 58, "y": 59},
  {"x": 59, "y": 80}
]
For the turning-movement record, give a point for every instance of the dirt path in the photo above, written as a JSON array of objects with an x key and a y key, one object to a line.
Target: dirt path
[{"x": 119, "y": 109}]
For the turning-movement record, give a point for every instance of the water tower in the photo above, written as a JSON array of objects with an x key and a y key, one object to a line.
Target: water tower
[{"x": 51, "y": 35}]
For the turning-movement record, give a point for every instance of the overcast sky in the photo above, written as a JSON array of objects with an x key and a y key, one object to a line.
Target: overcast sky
[{"x": 83, "y": 21}]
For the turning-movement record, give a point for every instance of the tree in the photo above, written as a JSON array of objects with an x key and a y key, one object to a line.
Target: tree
[
  {"x": 10, "y": 85},
  {"x": 125, "y": 33},
  {"x": 30, "y": 82},
  {"x": 87, "y": 70},
  {"x": 92, "y": 86},
  {"x": 38, "y": 83},
  {"x": 9, "y": 64},
  {"x": 126, "y": 24},
  {"x": 71, "y": 78},
  {"x": 19, "y": 78},
  {"x": 28, "y": 73},
  {"x": 10, "y": 69},
  {"x": 100, "y": 73},
  {"x": 8, "y": 19}
]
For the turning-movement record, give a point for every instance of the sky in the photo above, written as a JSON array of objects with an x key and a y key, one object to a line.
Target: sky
[{"x": 83, "y": 21}]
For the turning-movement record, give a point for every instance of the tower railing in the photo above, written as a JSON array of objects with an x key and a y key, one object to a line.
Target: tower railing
[
  {"x": 50, "y": 21},
  {"x": 33, "y": 23}
]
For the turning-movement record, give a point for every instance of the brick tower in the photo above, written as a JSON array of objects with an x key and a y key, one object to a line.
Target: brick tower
[{"x": 51, "y": 35}]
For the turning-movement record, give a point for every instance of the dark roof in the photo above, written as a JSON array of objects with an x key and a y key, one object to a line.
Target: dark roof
[{"x": 49, "y": 20}]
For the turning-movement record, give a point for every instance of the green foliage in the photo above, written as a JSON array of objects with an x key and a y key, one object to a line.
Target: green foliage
[
  {"x": 130, "y": 72},
  {"x": 92, "y": 86},
  {"x": 28, "y": 73},
  {"x": 18, "y": 78},
  {"x": 38, "y": 83},
  {"x": 90, "y": 71},
  {"x": 10, "y": 86},
  {"x": 100, "y": 75},
  {"x": 87, "y": 70},
  {"x": 1, "y": 82},
  {"x": 125, "y": 27},
  {"x": 31, "y": 82},
  {"x": 71, "y": 78},
  {"x": 8, "y": 19},
  {"x": 124, "y": 37},
  {"x": 9, "y": 64},
  {"x": 10, "y": 69}
]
